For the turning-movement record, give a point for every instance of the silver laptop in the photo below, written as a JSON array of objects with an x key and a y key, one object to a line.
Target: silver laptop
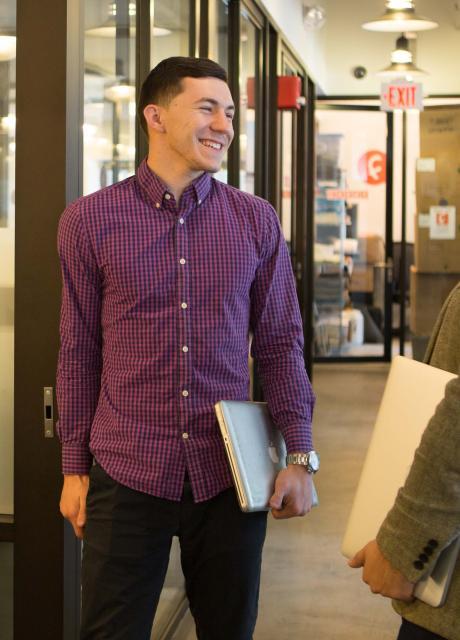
[
  {"x": 411, "y": 395},
  {"x": 255, "y": 449}
]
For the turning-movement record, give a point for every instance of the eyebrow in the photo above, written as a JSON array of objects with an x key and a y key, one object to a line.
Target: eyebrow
[{"x": 215, "y": 103}]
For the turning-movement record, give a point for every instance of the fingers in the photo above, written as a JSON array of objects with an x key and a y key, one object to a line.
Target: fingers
[
  {"x": 276, "y": 501},
  {"x": 290, "y": 508},
  {"x": 357, "y": 560},
  {"x": 73, "y": 502}
]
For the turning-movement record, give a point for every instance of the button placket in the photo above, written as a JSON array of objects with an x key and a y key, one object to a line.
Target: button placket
[{"x": 183, "y": 267}]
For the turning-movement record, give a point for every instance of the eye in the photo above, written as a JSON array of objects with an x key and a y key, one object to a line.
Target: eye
[
  {"x": 230, "y": 115},
  {"x": 207, "y": 109}
]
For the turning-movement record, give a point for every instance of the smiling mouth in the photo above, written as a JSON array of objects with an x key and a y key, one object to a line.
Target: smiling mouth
[{"x": 212, "y": 145}]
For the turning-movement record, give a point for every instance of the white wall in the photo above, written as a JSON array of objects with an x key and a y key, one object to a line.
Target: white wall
[{"x": 308, "y": 45}]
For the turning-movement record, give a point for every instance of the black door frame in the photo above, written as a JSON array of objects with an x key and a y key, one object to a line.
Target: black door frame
[{"x": 323, "y": 103}]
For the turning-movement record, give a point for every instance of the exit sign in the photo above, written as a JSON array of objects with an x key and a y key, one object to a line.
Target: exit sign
[{"x": 401, "y": 95}]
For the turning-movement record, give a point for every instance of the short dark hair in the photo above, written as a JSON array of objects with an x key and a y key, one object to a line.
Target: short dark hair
[{"x": 164, "y": 81}]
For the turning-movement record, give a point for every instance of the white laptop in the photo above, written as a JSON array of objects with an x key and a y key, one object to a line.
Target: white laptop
[
  {"x": 412, "y": 392},
  {"x": 255, "y": 449}
]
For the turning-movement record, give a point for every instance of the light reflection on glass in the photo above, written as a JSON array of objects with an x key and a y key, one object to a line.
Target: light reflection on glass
[
  {"x": 109, "y": 93},
  {"x": 7, "y": 236},
  {"x": 248, "y": 88}
]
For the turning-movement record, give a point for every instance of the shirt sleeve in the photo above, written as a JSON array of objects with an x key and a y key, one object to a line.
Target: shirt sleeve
[
  {"x": 278, "y": 343},
  {"x": 426, "y": 513},
  {"x": 80, "y": 357}
]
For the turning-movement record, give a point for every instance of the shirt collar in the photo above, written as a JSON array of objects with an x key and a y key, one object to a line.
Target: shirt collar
[{"x": 156, "y": 188}]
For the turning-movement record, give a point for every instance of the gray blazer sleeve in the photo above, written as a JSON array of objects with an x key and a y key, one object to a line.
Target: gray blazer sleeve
[{"x": 426, "y": 513}]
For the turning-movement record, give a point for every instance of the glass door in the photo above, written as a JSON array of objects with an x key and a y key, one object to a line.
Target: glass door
[
  {"x": 352, "y": 243},
  {"x": 7, "y": 238}
]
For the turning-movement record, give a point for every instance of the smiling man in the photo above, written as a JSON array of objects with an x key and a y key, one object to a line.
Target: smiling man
[{"x": 164, "y": 277}]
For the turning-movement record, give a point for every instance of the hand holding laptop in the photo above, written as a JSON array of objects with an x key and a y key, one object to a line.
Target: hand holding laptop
[
  {"x": 293, "y": 494},
  {"x": 379, "y": 574}
]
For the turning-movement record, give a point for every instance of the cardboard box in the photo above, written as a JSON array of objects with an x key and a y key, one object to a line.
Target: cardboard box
[
  {"x": 362, "y": 278},
  {"x": 371, "y": 249},
  {"x": 428, "y": 291},
  {"x": 438, "y": 183}
]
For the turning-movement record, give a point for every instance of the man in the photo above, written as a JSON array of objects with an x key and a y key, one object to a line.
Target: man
[
  {"x": 426, "y": 514},
  {"x": 165, "y": 275}
]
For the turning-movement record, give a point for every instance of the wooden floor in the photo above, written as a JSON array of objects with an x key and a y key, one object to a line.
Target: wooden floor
[{"x": 307, "y": 589}]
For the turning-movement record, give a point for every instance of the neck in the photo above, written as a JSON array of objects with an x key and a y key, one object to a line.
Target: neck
[{"x": 175, "y": 179}]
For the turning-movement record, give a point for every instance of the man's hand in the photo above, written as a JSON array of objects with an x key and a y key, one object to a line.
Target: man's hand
[
  {"x": 380, "y": 575},
  {"x": 293, "y": 492},
  {"x": 73, "y": 502}
]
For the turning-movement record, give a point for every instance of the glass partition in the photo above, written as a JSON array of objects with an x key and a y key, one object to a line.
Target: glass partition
[
  {"x": 7, "y": 239},
  {"x": 7, "y": 235},
  {"x": 248, "y": 101},
  {"x": 218, "y": 32},
  {"x": 350, "y": 231},
  {"x": 170, "y": 36},
  {"x": 218, "y": 51},
  {"x": 109, "y": 93}
]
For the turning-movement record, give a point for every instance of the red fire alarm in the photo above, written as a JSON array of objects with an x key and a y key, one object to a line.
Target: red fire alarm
[{"x": 289, "y": 92}]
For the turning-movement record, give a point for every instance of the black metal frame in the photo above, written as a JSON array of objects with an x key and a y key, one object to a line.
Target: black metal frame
[
  {"x": 41, "y": 140},
  {"x": 386, "y": 357}
]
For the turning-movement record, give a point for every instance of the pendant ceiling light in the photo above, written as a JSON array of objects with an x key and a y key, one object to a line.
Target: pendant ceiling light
[
  {"x": 400, "y": 16},
  {"x": 402, "y": 64}
]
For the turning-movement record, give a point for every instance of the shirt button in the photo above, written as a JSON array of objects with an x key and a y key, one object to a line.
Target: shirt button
[
  {"x": 158, "y": 205},
  {"x": 185, "y": 349},
  {"x": 185, "y": 436},
  {"x": 185, "y": 393},
  {"x": 167, "y": 196},
  {"x": 199, "y": 201},
  {"x": 184, "y": 305},
  {"x": 181, "y": 220},
  {"x": 182, "y": 260}
]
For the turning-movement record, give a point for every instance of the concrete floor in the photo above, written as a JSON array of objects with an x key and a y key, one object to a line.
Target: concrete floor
[{"x": 307, "y": 589}]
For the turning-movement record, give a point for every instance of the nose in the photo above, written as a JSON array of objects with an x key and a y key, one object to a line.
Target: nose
[{"x": 222, "y": 123}]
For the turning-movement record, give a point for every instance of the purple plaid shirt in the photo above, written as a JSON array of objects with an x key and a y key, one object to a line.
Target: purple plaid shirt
[{"x": 158, "y": 303}]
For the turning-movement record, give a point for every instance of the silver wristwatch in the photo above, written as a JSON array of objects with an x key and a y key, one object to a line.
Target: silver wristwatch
[{"x": 309, "y": 460}]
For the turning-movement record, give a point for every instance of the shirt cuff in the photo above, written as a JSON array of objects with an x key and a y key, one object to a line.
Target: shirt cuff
[
  {"x": 298, "y": 438},
  {"x": 77, "y": 459}
]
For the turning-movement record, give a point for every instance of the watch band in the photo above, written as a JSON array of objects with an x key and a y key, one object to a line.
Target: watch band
[{"x": 309, "y": 460}]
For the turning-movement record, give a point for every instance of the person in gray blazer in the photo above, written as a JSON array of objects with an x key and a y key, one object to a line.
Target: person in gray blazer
[{"x": 426, "y": 514}]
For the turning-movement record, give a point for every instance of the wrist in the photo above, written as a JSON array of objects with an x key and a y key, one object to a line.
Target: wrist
[{"x": 309, "y": 460}]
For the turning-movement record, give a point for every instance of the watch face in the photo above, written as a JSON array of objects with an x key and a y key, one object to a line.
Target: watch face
[{"x": 313, "y": 460}]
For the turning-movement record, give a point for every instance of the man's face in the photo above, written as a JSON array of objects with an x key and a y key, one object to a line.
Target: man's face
[{"x": 197, "y": 125}]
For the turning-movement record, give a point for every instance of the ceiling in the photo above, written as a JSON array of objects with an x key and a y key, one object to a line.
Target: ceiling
[{"x": 344, "y": 45}]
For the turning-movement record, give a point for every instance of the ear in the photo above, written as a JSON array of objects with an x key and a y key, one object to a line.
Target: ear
[{"x": 153, "y": 115}]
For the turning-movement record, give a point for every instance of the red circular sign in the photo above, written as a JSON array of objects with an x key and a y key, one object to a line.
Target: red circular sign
[{"x": 372, "y": 167}]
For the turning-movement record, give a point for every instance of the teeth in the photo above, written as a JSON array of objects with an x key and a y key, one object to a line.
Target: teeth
[{"x": 213, "y": 145}]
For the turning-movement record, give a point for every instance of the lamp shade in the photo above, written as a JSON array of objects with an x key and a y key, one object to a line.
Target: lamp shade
[
  {"x": 400, "y": 16},
  {"x": 401, "y": 62}
]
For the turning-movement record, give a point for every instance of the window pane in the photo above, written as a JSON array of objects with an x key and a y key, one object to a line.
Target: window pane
[
  {"x": 287, "y": 184},
  {"x": 248, "y": 88},
  {"x": 350, "y": 233},
  {"x": 218, "y": 51},
  {"x": 218, "y": 32},
  {"x": 171, "y": 21},
  {"x": 109, "y": 93},
  {"x": 7, "y": 183}
]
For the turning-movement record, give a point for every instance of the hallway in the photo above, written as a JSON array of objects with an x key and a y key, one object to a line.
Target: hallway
[{"x": 307, "y": 590}]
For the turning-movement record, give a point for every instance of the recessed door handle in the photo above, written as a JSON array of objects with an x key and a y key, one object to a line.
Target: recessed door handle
[{"x": 48, "y": 417}]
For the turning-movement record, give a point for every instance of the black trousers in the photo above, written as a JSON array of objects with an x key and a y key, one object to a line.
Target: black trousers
[
  {"x": 411, "y": 631},
  {"x": 126, "y": 549}
]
